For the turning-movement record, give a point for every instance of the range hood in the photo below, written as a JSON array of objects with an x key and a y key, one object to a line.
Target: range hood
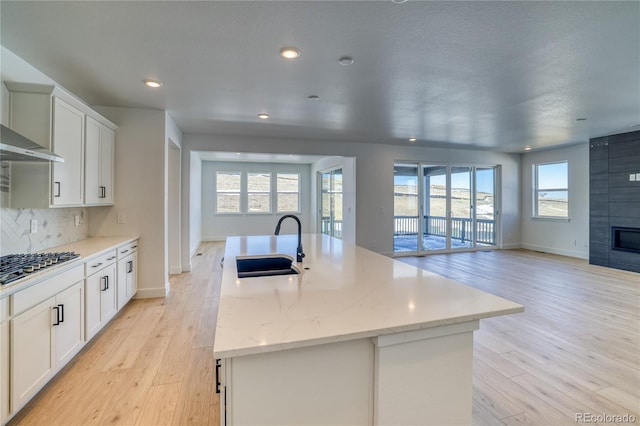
[{"x": 15, "y": 147}]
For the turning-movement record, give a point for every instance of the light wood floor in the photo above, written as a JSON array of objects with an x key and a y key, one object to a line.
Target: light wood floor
[{"x": 575, "y": 349}]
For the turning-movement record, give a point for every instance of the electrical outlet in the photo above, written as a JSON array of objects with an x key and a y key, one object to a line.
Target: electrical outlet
[
  {"x": 122, "y": 218},
  {"x": 76, "y": 220},
  {"x": 34, "y": 226}
]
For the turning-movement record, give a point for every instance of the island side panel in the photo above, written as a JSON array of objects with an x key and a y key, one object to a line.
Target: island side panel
[
  {"x": 318, "y": 385},
  {"x": 425, "y": 377}
]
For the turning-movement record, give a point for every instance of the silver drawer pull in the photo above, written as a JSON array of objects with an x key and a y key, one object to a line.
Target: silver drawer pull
[
  {"x": 124, "y": 251},
  {"x": 111, "y": 258},
  {"x": 96, "y": 265}
]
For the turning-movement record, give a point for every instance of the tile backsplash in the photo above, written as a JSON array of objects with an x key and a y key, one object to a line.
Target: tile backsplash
[{"x": 54, "y": 227}]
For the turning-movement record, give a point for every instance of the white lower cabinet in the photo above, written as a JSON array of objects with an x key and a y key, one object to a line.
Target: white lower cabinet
[
  {"x": 4, "y": 371},
  {"x": 328, "y": 384},
  {"x": 127, "y": 273},
  {"x": 44, "y": 338},
  {"x": 405, "y": 378},
  {"x": 100, "y": 294}
]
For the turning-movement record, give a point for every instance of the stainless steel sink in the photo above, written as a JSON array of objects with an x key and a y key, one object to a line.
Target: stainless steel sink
[{"x": 265, "y": 266}]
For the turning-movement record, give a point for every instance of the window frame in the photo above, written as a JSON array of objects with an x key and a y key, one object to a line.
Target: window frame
[
  {"x": 278, "y": 192},
  {"x": 248, "y": 193},
  {"x": 238, "y": 192},
  {"x": 536, "y": 190}
]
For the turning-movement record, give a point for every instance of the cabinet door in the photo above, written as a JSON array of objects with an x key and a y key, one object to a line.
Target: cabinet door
[
  {"x": 132, "y": 275},
  {"x": 32, "y": 360},
  {"x": 92, "y": 189},
  {"x": 92, "y": 290},
  {"x": 100, "y": 300},
  {"x": 121, "y": 290},
  {"x": 68, "y": 141},
  {"x": 108, "y": 301},
  {"x": 4, "y": 371},
  {"x": 69, "y": 331},
  {"x": 107, "y": 152}
]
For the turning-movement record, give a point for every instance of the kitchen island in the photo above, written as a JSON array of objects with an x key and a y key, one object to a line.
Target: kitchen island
[{"x": 356, "y": 338}]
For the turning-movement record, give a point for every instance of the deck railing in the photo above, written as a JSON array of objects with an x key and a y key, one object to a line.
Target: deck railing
[
  {"x": 326, "y": 227},
  {"x": 461, "y": 228}
]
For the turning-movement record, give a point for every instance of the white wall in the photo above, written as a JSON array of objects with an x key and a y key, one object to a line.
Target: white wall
[
  {"x": 173, "y": 229},
  {"x": 191, "y": 206},
  {"x": 558, "y": 236},
  {"x": 348, "y": 166},
  {"x": 374, "y": 177},
  {"x": 218, "y": 226},
  {"x": 140, "y": 193}
]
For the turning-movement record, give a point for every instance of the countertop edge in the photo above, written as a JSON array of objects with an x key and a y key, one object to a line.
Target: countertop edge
[
  {"x": 111, "y": 243},
  {"x": 257, "y": 350}
]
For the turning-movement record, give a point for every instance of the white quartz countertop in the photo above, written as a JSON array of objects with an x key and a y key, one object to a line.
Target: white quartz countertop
[
  {"x": 344, "y": 292},
  {"x": 87, "y": 249}
]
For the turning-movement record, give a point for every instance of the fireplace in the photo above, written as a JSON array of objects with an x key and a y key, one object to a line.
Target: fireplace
[{"x": 625, "y": 239}]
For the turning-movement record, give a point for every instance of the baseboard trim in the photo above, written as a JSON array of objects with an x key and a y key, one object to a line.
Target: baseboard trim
[
  {"x": 552, "y": 250},
  {"x": 214, "y": 238},
  {"x": 195, "y": 248},
  {"x": 511, "y": 246},
  {"x": 150, "y": 293},
  {"x": 175, "y": 270}
]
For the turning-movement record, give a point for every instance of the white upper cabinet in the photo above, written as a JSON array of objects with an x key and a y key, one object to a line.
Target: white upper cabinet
[
  {"x": 68, "y": 142},
  {"x": 58, "y": 121},
  {"x": 99, "y": 155}
]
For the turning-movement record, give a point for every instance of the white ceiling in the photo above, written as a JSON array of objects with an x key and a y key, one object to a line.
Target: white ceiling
[{"x": 496, "y": 75}]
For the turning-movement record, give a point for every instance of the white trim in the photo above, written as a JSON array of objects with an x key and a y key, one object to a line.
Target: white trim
[
  {"x": 208, "y": 238},
  {"x": 175, "y": 270},
  {"x": 150, "y": 293},
  {"x": 569, "y": 253},
  {"x": 426, "y": 333},
  {"x": 551, "y": 218}
]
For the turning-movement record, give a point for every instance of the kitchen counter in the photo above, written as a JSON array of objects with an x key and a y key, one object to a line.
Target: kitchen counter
[
  {"x": 356, "y": 339},
  {"x": 87, "y": 249},
  {"x": 344, "y": 292}
]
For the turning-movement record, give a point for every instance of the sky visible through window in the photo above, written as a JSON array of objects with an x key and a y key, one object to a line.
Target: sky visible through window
[{"x": 484, "y": 181}]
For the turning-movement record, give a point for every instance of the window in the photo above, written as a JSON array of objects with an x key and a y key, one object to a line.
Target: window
[
  {"x": 259, "y": 192},
  {"x": 228, "y": 192},
  {"x": 551, "y": 190},
  {"x": 288, "y": 190}
]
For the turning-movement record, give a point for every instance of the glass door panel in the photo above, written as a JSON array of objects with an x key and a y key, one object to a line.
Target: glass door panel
[
  {"x": 461, "y": 207},
  {"x": 331, "y": 203},
  {"x": 485, "y": 206},
  {"x": 434, "y": 225},
  {"x": 406, "y": 223}
]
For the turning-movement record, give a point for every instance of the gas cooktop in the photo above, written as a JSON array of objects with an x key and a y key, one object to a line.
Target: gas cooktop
[{"x": 14, "y": 267}]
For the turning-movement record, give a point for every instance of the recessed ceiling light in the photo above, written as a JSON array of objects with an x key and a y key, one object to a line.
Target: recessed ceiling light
[
  {"x": 153, "y": 83},
  {"x": 290, "y": 52},
  {"x": 313, "y": 97},
  {"x": 345, "y": 60},
  {"x": 263, "y": 116},
  {"x": 581, "y": 119},
  {"x": 527, "y": 148},
  {"x": 412, "y": 139},
  {"x": 399, "y": 1}
]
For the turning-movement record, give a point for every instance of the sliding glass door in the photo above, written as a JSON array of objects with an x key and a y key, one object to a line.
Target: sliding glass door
[
  {"x": 331, "y": 203},
  {"x": 440, "y": 208},
  {"x": 434, "y": 231}
]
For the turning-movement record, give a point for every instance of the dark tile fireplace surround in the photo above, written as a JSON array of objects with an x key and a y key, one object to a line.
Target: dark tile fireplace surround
[{"x": 614, "y": 198}]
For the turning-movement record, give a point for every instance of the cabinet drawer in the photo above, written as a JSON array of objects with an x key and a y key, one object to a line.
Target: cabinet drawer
[
  {"x": 126, "y": 249},
  {"x": 94, "y": 265},
  {"x": 48, "y": 288}
]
